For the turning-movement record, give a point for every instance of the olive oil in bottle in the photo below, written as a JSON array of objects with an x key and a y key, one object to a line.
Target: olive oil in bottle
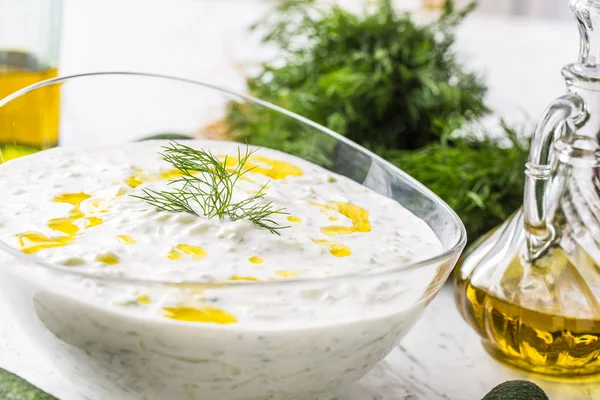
[
  {"x": 539, "y": 317},
  {"x": 28, "y": 124}
]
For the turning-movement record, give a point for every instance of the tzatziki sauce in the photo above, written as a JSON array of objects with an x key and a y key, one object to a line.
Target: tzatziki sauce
[{"x": 173, "y": 305}]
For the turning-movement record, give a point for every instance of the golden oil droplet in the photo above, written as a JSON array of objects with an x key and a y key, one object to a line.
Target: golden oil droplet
[
  {"x": 274, "y": 169},
  {"x": 67, "y": 225},
  {"x": 296, "y": 220},
  {"x": 357, "y": 215},
  {"x": 256, "y": 260},
  {"x": 242, "y": 278},
  {"x": 32, "y": 242},
  {"x": 108, "y": 258},
  {"x": 64, "y": 225},
  {"x": 175, "y": 255},
  {"x": 205, "y": 314},
  {"x": 127, "y": 239},
  {"x": 134, "y": 181},
  {"x": 170, "y": 174},
  {"x": 335, "y": 249},
  {"x": 278, "y": 169},
  {"x": 197, "y": 253},
  {"x": 143, "y": 299},
  {"x": 287, "y": 273},
  {"x": 74, "y": 199},
  {"x": 93, "y": 221}
]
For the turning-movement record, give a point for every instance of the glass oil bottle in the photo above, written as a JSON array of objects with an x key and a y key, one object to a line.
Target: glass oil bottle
[{"x": 531, "y": 287}]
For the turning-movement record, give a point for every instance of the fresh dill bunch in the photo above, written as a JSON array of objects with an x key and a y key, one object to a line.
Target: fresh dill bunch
[
  {"x": 206, "y": 184},
  {"x": 377, "y": 77}
]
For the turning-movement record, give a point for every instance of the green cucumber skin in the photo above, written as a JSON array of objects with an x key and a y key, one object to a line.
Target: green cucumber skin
[
  {"x": 516, "y": 390},
  {"x": 14, "y": 388},
  {"x": 166, "y": 136}
]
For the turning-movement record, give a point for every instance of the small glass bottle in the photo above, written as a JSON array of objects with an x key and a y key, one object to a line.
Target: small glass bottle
[
  {"x": 531, "y": 288},
  {"x": 29, "y": 48}
]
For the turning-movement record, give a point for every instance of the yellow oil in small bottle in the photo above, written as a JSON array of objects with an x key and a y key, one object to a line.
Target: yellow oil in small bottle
[
  {"x": 28, "y": 123},
  {"x": 544, "y": 319}
]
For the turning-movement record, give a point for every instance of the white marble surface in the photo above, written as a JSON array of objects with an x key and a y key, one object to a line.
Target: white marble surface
[{"x": 441, "y": 358}]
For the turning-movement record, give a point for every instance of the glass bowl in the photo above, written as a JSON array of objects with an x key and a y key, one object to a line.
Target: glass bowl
[{"x": 109, "y": 352}]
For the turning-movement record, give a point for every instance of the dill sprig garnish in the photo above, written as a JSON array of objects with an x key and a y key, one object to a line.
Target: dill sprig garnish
[{"x": 205, "y": 188}]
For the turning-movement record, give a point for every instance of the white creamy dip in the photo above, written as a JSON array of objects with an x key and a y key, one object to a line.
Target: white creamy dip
[{"x": 241, "y": 335}]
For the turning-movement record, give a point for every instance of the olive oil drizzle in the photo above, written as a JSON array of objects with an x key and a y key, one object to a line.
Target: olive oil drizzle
[
  {"x": 335, "y": 249},
  {"x": 32, "y": 242},
  {"x": 357, "y": 215},
  {"x": 178, "y": 252},
  {"x": 205, "y": 314}
]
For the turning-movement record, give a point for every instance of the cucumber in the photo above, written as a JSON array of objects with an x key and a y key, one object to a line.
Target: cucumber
[
  {"x": 14, "y": 388},
  {"x": 166, "y": 136},
  {"x": 516, "y": 390}
]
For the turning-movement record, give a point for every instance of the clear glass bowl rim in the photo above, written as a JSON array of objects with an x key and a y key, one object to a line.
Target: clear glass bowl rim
[{"x": 32, "y": 260}]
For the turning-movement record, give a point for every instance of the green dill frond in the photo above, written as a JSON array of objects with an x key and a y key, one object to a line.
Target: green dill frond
[{"x": 206, "y": 184}]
